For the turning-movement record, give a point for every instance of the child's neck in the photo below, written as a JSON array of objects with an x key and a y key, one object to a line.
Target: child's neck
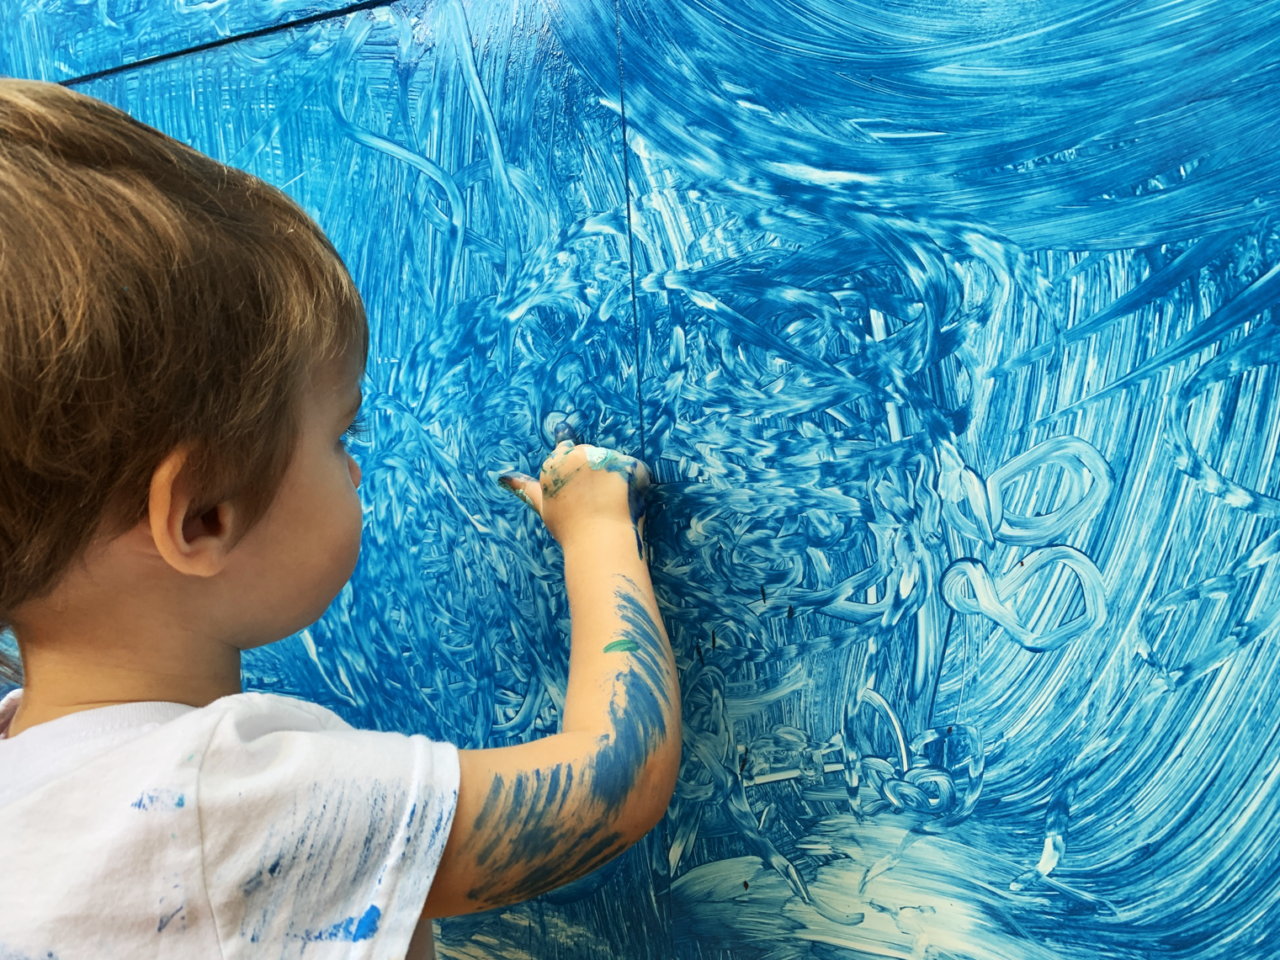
[
  {"x": 65, "y": 675},
  {"x": 121, "y": 627}
]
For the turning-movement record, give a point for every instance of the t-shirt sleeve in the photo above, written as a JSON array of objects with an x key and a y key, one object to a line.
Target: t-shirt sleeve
[{"x": 319, "y": 840}]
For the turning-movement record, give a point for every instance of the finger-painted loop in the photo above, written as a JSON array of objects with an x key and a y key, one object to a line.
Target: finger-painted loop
[
  {"x": 973, "y": 494},
  {"x": 958, "y": 750},
  {"x": 922, "y": 789},
  {"x": 856, "y": 730},
  {"x": 1085, "y": 472},
  {"x": 1260, "y": 350},
  {"x": 993, "y": 597},
  {"x": 934, "y": 789}
]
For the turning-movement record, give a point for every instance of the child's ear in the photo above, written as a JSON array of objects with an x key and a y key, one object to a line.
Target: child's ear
[{"x": 193, "y": 538}]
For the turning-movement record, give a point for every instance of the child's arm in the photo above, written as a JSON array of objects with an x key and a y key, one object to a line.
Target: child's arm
[{"x": 535, "y": 816}]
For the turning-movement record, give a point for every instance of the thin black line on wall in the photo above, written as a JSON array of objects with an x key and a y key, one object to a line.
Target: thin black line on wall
[
  {"x": 224, "y": 41},
  {"x": 631, "y": 250}
]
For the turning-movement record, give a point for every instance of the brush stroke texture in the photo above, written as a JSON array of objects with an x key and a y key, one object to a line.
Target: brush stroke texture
[
  {"x": 63, "y": 39},
  {"x": 471, "y": 180},
  {"x": 958, "y": 369}
]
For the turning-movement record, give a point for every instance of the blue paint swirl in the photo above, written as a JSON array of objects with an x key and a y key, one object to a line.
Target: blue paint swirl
[
  {"x": 953, "y": 332},
  {"x": 960, "y": 383}
]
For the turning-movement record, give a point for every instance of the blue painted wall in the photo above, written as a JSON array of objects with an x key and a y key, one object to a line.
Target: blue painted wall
[
  {"x": 64, "y": 40},
  {"x": 948, "y": 329}
]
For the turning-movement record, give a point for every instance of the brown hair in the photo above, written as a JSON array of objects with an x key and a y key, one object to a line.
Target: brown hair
[{"x": 150, "y": 297}]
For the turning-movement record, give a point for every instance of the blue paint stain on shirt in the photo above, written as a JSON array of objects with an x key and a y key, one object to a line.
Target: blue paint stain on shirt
[
  {"x": 159, "y": 800},
  {"x": 350, "y": 930},
  {"x": 167, "y": 918}
]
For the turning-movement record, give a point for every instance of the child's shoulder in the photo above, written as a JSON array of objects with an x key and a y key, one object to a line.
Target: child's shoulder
[
  {"x": 256, "y": 812},
  {"x": 257, "y": 714},
  {"x": 112, "y": 762}
]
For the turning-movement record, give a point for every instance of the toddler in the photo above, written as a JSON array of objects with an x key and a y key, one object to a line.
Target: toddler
[{"x": 181, "y": 352}]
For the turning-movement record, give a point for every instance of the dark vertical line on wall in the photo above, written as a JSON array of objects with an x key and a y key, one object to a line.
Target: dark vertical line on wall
[
  {"x": 631, "y": 249},
  {"x": 665, "y": 842},
  {"x": 224, "y": 41},
  {"x": 929, "y": 717}
]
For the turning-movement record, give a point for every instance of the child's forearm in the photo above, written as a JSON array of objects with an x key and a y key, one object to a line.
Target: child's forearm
[
  {"x": 622, "y": 678},
  {"x": 532, "y": 817}
]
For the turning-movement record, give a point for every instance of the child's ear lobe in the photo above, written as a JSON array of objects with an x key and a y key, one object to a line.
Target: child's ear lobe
[{"x": 192, "y": 538}]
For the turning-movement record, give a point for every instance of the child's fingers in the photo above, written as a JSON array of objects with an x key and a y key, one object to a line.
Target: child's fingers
[
  {"x": 564, "y": 432},
  {"x": 557, "y": 457},
  {"x": 525, "y": 487},
  {"x": 629, "y": 468},
  {"x": 641, "y": 478},
  {"x": 562, "y": 450}
]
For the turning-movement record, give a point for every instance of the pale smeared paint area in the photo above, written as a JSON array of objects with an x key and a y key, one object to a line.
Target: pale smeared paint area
[{"x": 967, "y": 547}]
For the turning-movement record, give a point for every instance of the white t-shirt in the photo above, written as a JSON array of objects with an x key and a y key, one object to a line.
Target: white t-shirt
[{"x": 257, "y": 826}]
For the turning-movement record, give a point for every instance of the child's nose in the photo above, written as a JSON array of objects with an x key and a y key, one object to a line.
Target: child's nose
[{"x": 354, "y": 469}]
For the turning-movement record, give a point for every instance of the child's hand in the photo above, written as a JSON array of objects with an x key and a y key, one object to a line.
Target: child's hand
[
  {"x": 534, "y": 816},
  {"x": 581, "y": 486}
]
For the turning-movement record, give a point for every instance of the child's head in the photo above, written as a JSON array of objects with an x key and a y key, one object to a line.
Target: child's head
[{"x": 151, "y": 300}]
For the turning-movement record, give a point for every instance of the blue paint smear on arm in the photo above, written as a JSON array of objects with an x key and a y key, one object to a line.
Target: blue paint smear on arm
[
  {"x": 638, "y": 715},
  {"x": 541, "y": 829}
]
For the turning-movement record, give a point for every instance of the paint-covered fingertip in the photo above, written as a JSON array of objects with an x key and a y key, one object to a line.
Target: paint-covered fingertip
[
  {"x": 563, "y": 432},
  {"x": 517, "y": 485},
  {"x": 513, "y": 479}
]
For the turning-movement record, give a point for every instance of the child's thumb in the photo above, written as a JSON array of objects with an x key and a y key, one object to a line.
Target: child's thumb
[{"x": 525, "y": 487}]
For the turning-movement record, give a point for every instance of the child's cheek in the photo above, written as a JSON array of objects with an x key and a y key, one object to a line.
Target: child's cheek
[{"x": 354, "y": 513}]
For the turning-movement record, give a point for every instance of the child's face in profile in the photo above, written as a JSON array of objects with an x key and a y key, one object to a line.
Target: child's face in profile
[{"x": 304, "y": 549}]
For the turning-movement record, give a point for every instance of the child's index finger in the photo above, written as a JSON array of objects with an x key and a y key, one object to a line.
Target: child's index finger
[
  {"x": 564, "y": 432},
  {"x": 522, "y": 486}
]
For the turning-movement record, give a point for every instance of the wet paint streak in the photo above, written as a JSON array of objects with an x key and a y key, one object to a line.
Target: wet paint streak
[
  {"x": 971, "y": 414},
  {"x": 1067, "y": 127},
  {"x": 62, "y": 41}
]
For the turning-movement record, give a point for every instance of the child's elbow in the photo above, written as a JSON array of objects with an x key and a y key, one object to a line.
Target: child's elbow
[{"x": 653, "y": 788}]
